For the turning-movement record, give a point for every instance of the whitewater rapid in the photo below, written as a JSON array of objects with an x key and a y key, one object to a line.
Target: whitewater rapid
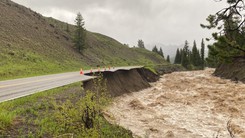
[{"x": 192, "y": 104}]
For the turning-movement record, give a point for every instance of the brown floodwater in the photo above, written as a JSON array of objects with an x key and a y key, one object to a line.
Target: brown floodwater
[{"x": 192, "y": 104}]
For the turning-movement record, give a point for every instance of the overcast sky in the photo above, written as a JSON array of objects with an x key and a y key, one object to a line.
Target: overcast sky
[{"x": 154, "y": 21}]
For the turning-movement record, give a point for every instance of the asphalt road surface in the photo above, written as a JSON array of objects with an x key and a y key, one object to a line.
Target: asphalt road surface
[{"x": 12, "y": 89}]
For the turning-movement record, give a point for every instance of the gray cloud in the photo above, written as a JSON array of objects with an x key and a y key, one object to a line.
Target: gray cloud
[{"x": 154, "y": 21}]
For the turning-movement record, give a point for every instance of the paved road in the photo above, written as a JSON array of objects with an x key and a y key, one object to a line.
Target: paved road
[{"x": 13, "y": 89}]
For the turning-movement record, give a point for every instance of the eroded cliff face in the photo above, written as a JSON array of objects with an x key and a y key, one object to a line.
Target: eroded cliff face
[
  {"x": 234, "y": 71},
  {"x": 192, "y": 104},
  {"x": 123, "y": 81}
]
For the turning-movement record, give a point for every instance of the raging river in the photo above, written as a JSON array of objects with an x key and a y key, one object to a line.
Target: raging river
[{"x": 192, "y": 104}]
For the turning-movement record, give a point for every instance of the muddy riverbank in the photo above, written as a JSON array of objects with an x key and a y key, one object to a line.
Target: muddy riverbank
[{"x": 183, "y": 104}]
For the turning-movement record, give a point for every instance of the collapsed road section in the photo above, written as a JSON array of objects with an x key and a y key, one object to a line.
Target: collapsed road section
[
  {"x": 124, "y": 81},
  {"x": 12, "y": 89}
]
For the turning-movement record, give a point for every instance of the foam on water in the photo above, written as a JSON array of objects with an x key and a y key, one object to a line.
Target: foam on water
[{"x": 183, "y": 104}]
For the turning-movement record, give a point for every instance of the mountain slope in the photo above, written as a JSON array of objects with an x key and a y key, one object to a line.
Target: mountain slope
[
  {"x": 31, "y": 44},
  {"x": 102, "y": 49}
]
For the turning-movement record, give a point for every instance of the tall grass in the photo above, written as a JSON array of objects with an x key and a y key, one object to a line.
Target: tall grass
[{"x": 60, "y": 112}]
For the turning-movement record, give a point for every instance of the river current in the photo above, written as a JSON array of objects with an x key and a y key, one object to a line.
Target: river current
[{"x": 192, "y": 104}]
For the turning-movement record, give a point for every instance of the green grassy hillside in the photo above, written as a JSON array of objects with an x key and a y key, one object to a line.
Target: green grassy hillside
[
  {"x": 103, "y": 50},
  {"x": 31, "y": 44}
]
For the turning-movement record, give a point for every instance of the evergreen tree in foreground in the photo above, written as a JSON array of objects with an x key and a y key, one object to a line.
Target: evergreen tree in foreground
[
  {"x": 229, "y": 40},
  {"x": 212, "y": 59},
  {"x": 80, "y": 33}
]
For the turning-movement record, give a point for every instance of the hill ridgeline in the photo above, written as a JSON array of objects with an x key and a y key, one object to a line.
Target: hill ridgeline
[{"x": 32, "y": 44}]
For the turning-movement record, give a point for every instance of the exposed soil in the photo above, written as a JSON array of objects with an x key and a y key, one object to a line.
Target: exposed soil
[
  {"x": 148, "y": 75},
  {"x": 169, "y": 69},
  {"x": 183, "y": 104},
  {"x": 121, "y": 82},
  {"x": 234, "y": 71}
]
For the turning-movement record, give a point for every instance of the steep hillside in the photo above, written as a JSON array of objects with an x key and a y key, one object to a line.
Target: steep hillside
[
  {"x": 31, "y": 44},
  {"x": 103, "y": 50}
]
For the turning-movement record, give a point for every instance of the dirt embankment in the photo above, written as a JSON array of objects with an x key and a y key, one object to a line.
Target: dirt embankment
[
  {"x": 192, "y": 104},
  {"x": 234, "y": 71},
  {"x": 121, "y": 82},
  {"x": 169, "y": 69}
]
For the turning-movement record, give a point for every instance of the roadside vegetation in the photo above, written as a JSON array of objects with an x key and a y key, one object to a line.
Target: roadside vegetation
[
  {"x": 26, "y": 64},
  {"x": 63, "y": 112}
]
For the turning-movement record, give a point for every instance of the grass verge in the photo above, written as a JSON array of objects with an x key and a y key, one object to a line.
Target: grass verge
[{"x": 62, "y": 112}]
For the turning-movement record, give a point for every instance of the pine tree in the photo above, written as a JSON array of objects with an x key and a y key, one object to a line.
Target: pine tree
[
  {"x": 202, "y": 54},
  {"x": 195, "y": 56},
  {"x": 160, "y": 52},
  {"x": 168, "y": 59},
  {"x": 181, "y": 53},
  {"x": 177, "y": 59},
  {"x": 185, "y": 59},
  {"x": 154, "y": 49},
  {"x": 228, "y": 46},
  {"x": 80, "y": 33},
  {"x": 199, "y": 60},
  {"x": 141, "y": 44},
  {"x": 212, "y": 59},
  {"x": 176, "y": 56},
  {"x": 230, "y": 42}
]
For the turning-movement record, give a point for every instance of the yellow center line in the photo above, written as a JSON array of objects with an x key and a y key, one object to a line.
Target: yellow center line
[{"x": 11, "y": 85}]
